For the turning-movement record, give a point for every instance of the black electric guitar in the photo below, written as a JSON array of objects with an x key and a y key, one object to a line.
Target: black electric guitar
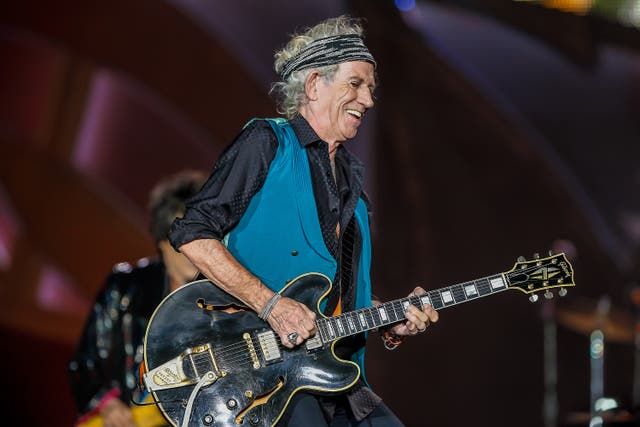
[{"x": 210, "y": 361}]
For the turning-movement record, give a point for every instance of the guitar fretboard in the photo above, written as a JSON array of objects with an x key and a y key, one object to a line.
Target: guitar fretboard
[{"x": 365, "y": 319}]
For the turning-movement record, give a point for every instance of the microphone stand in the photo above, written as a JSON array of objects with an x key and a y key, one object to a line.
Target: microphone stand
[
  {"x": 550, "y": 408},
  {"x": 596, "y": 350},
  {"x": 635, "y": 401}
]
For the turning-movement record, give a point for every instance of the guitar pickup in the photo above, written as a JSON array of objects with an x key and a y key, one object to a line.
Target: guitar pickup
[
  {"x": 314, "y": 343},
  {"x": 269, "y": 347},
  {"x": 183, "y": 370}
]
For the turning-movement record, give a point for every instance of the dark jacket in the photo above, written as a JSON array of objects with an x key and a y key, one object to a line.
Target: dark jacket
[{"x": 110, "y": 348}]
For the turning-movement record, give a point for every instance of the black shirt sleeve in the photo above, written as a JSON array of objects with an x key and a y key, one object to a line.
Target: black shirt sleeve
[{"x": 237, "y": 176}]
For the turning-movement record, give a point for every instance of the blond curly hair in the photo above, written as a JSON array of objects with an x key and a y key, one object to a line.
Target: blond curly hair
[{"x": 290, "y": 93}]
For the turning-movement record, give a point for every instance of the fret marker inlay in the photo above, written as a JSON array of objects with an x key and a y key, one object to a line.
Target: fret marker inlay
[
  {"x": 331, "y": 331},
  {"x": 363, "y": 320},
  {"x": 470, "y": 290},
  {"x": 352, "y": 325},
  {"x": 447, "y": 297},
  {"x": 497, "y": 283},
  {"x": 383, "y": 314}
]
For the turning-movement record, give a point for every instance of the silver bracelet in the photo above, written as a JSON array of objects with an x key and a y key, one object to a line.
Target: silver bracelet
[{"x": 266, "y": 309}]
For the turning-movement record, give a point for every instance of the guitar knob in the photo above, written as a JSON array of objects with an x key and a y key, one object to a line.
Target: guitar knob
[
  {"x": 533, "y": 298},
  {"x": 562, "y": 292},
  {"x": 254, "y": 420},
  {"x": 548, "y": 294},
  {"x": 207, "y": 419},
  {"x": 521, "y": 259}
]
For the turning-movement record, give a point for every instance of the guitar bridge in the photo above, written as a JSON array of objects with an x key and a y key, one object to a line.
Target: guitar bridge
[
  {"x": 186, "y": 369},
  {"x": 252, "y": 350}
]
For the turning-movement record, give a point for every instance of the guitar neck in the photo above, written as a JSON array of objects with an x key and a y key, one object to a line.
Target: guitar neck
[{"x": 365, "y": 319}]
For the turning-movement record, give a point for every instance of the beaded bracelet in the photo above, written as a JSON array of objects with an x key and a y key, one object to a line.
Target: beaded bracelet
[
  {"x": 391, "y": 341},
  {"x": 266, "y": 309}
]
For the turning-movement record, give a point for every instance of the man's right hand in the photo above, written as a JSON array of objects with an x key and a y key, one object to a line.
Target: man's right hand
[
  {"x": 116, "y": 414},
  {"x": 289, "y": 316},
  {"x": 215, "y": 261}
]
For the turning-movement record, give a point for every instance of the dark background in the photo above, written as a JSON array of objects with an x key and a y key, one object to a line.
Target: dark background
[{"x": 501, "y": 129}]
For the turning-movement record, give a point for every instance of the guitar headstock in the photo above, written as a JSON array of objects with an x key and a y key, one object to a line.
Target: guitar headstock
[{"x": 541, "y": 274}]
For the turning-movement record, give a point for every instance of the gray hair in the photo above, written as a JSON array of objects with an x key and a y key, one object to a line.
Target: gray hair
[{"x": 291, "y": 93}]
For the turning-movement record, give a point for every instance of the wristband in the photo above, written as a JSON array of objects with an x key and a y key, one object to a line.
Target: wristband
[{"x": 266, "y": 309}]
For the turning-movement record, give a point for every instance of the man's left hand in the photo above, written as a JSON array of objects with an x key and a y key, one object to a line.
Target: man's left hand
[{"x": 417, "y": 320}]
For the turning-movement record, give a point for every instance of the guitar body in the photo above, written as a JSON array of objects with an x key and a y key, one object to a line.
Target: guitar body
[{"x": 203, "y": 329}]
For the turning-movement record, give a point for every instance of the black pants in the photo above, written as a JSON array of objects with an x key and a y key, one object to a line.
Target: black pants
[{"x": 305, "y": 410}]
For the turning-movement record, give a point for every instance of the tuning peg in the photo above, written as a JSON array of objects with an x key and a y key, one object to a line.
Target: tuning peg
[
  {"x": 548, "y": 294},
  {"x": 562, "y": 292},
  {"x": 533, "y": 298},
  {"x": 536, "y": 256},
  {"x": 521, "y": 259},
  {"x": 550, "y": 252}
]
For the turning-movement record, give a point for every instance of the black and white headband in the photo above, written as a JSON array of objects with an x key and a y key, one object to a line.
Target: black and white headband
[{"x": 328, "y": 51}]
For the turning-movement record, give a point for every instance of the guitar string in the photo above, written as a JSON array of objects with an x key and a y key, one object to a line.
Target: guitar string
[
  {"x": 236, "y": 352},
  {"x": 481, "y": 284},
  {"x": 239, "y": 354},
  {"x": 242, "y": 356},
  {"x": 395, "y": 305},
  {"x": 230, "y": 349},
  {"x": 241, "y": 345},
  {"x": 225, "y": 351}
]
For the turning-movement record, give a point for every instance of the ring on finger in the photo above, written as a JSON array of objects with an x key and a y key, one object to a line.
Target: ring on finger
[{"x": 293, "y": 338}]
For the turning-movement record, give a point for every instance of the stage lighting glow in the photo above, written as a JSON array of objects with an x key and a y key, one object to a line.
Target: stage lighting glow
[
  {"x": 56, "y": 292},
  {"x": 580, "y": 7},
  {"x": 405, "y": 5},
  {"x": 626, "y": 12},
  {"x": 629, "y": 13},
  {"x": 10, "y": 229}
]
